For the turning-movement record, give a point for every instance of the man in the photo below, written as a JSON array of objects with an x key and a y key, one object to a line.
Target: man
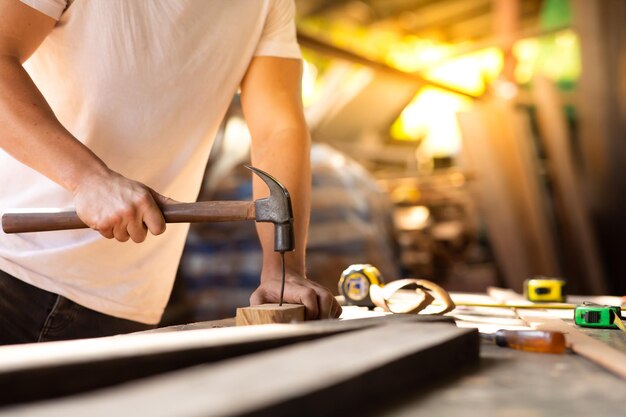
[{"x": 117, "y": 108}]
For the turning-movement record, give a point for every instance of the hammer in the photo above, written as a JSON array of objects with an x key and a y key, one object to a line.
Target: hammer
[{"x": 275, "y": 209}]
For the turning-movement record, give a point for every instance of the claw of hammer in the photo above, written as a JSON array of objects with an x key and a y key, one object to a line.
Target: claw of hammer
[{"x": 276, "y": 209}]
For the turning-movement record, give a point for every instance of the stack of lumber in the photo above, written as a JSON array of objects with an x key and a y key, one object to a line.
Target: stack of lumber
[{"x": 318, "y": 368}]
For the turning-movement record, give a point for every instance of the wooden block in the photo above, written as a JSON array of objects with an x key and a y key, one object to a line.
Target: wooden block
[{"x": 269, "y": 314}]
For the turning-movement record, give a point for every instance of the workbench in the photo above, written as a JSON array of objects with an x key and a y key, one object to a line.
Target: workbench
[
  {"x": 511, "y": 383},
  {"x": 502, "y": 382}
]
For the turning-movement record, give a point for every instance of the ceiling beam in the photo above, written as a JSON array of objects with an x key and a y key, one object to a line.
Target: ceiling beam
[{"x": 326, "y": 48}]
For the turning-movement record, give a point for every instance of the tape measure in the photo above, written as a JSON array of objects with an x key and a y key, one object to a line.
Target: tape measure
[
  {"x": 545, "y": 289},
  {"x": 355, "y": 283},
  {"x": 363, "y": 285},
  {"x": 598, "y": 316}
]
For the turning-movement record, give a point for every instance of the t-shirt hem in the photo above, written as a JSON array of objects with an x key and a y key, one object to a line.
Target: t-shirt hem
[
  {"x": 98, "y": 304},
  {"x": 48, "y": 7},
  {"x": 279, "y": 49}
]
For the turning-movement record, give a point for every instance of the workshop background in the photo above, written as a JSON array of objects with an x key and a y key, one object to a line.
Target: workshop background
[{"x": 468, "y": 142}]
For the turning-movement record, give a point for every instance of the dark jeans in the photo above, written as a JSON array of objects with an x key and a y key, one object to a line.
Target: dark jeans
[{"x": 29, "y": 314}]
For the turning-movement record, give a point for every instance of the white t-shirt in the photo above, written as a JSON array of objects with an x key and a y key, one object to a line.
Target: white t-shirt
[{"x": 144, "y": 84}]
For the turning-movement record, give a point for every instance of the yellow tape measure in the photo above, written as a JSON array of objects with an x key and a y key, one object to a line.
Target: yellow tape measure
[
  {"x": 355, "y": 284},
  {"x": 545, "y": 289}
]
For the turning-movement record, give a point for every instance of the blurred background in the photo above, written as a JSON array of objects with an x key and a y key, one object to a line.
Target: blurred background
[{"x": 468, "y": 142}]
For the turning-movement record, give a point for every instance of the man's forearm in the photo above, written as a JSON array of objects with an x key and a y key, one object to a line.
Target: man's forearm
[
  {"x": 115, "y": 206},
  {"x": 285, "y": 154},
  {"x": 272, "y": 104},
  {"x": 31, "y": 133}
]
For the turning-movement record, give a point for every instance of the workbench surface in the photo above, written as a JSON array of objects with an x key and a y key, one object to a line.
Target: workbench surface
[
  {"x": 503, "y": 383},
  {"x": 511, "y": 383}
]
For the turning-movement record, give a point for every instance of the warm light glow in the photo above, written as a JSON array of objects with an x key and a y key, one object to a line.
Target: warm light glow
[
  {"x": 236, "y": 131},
  {"x": 413, "y": 54},
  {"x": 405, "y": 194},
  {"x": 310, "y": 90},
  {"x": 556, "y": 56},
  {"x": 566, "y": 39},
  {"x": 526, "y": 52},
  {"x": 504, "y": 89},
  {"x": 411, "y": 218},
  {"x": 410, "y": 53},
  {"x": 432, "y": 114},
  {"x": 469, "y": 73}
]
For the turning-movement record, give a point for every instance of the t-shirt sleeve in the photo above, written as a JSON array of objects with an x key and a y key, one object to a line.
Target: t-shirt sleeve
[
  {"x": 279, "y": 33},
  {"x": 52, "y": 8}
]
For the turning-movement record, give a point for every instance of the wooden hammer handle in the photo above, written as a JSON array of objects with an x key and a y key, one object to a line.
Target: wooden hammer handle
[{"x": 206, "y": 211}]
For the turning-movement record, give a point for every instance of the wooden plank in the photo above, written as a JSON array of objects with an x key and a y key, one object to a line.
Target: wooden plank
[
  {"x": 494, "y": 196},
  {"x": 506, "y": 22},
  {"x": 500, "y": 151},
  {"x": 596, "y": 351},
  {"x": 516, "y": 148},
  {"x": 601, "y": 33},
  {"x": 269, "y": 314},
  {"x": 574, "y": 212},
  {"x": 601, "y": 125},
  {"x": 32, "y": 372},
  {"x": 340, "y": 375}
]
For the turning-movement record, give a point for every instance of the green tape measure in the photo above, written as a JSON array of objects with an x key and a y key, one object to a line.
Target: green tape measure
[
  {"x": 598, "y": 316},
  {"x": 355, "y": 283}
]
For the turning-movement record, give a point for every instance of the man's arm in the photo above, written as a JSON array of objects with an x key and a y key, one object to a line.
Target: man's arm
[
  {"x": 271, "y": 100},
  {"x": 30, "y": 132}
]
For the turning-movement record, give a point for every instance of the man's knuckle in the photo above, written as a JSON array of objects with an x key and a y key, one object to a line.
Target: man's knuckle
[
  {"x": 326, "y": 296},
  {"x": 143, "y": 200},
  {"x": 112, "y": 220},
  {"x": 128, "y": 211}
]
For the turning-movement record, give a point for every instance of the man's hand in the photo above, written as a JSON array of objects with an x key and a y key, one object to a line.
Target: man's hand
[
  {"x": 29, "y": 130},
  {"x": 118, "y": 207},
  {"x": 317, "y": 300}
]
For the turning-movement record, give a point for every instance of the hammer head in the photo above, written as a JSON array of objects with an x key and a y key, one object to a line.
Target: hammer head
[{"x": 276, "y": 209}]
